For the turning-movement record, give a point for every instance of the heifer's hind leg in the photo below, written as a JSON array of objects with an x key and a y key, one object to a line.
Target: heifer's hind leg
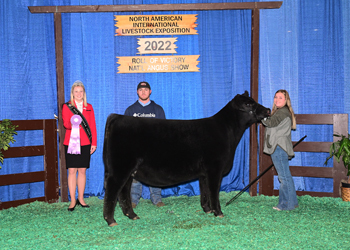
[
  {"x": 203, "y": 186},
  {"x": 125, "y": 201},
  {"x": 110, "y": 200},
  {"x": 114, "y": 185}
]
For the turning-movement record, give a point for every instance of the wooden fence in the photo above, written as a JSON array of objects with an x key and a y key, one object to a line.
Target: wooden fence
[
  {"x": 50, "y": 173},
  {"x": 337, "y": 172}
]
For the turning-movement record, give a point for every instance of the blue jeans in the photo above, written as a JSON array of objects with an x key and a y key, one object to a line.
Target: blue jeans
[
  {"x": 136, "y": 192},
  {"x": 287, "y": 194}
]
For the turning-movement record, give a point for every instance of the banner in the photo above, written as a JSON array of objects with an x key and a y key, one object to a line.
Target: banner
[
  {"x": 138, "y": 25},
  {"x": 156, "y": 64}
]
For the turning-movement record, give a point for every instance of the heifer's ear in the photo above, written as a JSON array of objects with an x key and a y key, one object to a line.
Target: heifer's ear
[{"x": 246, "y": 93}]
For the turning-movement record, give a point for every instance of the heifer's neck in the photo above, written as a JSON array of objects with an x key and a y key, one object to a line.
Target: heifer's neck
[
  {"x": 235, "y": 120},
  {"x": 241, "y": 123}
]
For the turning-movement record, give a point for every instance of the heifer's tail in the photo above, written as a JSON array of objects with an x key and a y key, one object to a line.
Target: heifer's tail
[{"x": 105, "y": 145}]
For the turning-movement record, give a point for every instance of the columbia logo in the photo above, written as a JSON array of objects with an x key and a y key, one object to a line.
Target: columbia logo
[{"x": 144, "y": 115}]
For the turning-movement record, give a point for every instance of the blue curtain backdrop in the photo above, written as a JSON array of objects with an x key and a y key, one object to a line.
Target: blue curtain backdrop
[{"x": 304, "y": 48}]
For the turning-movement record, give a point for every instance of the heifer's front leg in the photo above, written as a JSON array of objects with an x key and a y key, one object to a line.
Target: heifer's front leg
[
  {"x": 125, "y": 201},
  {"x": 214, "y": 182},
  {"x": 203, "y": 186}
]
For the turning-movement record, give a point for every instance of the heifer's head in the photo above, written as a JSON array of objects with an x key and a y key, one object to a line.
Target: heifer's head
[{"x": 250, "y": 109}]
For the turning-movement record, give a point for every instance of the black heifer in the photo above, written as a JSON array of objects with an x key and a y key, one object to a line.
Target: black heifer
[{"x": 168, "y": 152}]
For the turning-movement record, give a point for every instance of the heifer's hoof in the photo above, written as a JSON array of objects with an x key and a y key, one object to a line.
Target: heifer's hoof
[
  {"x": 132, "y": 216},
  {"x": 220, "y": 216},
  {"x": 113, "y": 224},
  {"x": 110, "y": 222},
  {"x": 206, "y": 209}
]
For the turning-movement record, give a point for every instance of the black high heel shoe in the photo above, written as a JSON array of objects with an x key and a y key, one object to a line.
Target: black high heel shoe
[
  {"x": 72, "y": 209},
  {"x": 85, "y": 206}
]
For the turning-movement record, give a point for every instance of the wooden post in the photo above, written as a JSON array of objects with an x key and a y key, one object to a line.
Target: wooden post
[
  {"x": 60, "y": 102},
  {"x": 254, "y": 90},
  {"x": 340, "y": 127},
  {"x": 50, "y": 161}
]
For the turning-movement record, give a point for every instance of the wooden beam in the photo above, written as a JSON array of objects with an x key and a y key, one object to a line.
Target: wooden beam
[
  {"x": 14, "y": 152},
  {"x": 28, "y": 124},
  {"x": 321, "y": 172},
  {"x": 12, "y": 179},
  {"x": 16, "y": 203},
  {"x": 155, "y": 7},
  {"x": 313, "y": 146},
  {"x": 314, "y": 118},
  {"x": 313, "y": 194}
]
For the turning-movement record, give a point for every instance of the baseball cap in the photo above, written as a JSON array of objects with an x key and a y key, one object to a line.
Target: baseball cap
[{"x": 143, "y": 85}]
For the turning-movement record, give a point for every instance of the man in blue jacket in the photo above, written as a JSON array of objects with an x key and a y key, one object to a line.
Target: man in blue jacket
[{"x": 144, "y": 107}]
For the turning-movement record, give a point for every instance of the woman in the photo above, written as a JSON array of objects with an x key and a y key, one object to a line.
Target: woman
[
  {"x": 278, "y": 144},
  {"x": 76, "y": 162}
]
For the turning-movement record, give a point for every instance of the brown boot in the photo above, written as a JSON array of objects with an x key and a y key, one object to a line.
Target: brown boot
[{"x": 160, "y": 204}]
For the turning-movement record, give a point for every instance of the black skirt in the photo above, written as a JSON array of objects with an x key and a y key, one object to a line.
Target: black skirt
[{"x": 78, "y": 161}]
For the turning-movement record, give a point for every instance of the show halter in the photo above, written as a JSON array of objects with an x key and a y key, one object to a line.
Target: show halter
[
  {"x": 252, "y": 111},
  {"x": 74, "y": 141}
]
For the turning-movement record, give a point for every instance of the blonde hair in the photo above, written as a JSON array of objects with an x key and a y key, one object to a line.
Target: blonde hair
[
  {"x": 77, "y": 84},
  {"x": 289, "y": 106}
]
